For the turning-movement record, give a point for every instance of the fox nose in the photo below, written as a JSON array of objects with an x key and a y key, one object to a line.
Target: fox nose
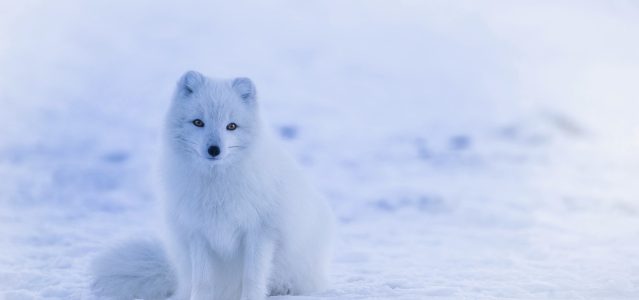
[{"x": 214, "y": 151}]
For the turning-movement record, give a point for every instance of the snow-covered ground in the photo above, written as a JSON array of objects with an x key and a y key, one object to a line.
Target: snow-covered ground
[{"x": 471, "y": 149}]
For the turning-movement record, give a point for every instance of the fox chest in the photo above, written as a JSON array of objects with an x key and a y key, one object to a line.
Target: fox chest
[
  {"x": 223, "y": 226},
  {"x": 224, "y": 212},
  {"x": 225, "y": 233}
]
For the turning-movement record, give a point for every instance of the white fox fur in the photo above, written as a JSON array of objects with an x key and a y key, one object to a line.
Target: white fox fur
[
  {"x": 134, "y": 270},
  {"x": 242, "y": 222}
]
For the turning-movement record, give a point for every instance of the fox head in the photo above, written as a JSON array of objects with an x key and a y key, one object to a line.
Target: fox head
[{"x": 212, "y": 121}]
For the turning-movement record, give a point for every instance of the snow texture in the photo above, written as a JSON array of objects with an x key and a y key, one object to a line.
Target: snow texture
[{"x": 471, "y": 149}]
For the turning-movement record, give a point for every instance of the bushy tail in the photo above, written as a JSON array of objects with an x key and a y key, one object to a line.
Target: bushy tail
[{"x": 134, "y": 270}]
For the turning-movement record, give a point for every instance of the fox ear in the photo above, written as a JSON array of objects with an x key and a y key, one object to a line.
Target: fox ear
[
  {"x": 245, "y": 88},
  {"x": 189, "y": 82}
]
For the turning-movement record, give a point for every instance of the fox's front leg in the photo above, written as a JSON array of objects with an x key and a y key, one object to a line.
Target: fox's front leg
[
  {"x": 201, "y": 271},
  {"x": 258, "y": 259}
]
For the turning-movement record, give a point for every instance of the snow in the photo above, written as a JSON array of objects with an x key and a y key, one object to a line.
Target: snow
[{"x": 471, "y": 150}]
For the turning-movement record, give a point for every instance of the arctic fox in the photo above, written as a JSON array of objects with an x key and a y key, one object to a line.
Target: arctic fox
[{"x": 242, "y": 222}]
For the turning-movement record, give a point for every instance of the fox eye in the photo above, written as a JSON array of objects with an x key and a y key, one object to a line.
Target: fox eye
[
  {"x": 198, "y": 123},
  {"x": 231, "y": 126}
]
